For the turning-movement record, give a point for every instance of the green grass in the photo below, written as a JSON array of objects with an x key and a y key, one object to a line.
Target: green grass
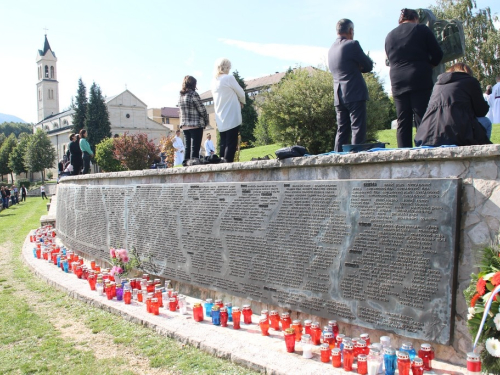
[
  {"x": 32, "y": 345},
  {"x": 386, "y": 136}
]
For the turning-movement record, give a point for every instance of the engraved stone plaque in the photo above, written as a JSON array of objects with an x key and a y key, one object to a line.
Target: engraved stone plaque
[{"x": 376, "y": 253}]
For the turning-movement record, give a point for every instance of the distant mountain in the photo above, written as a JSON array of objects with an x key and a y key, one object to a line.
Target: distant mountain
[{"x": 9, "y": 118}]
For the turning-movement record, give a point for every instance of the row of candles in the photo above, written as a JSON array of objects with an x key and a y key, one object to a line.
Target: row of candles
[{"x": 341, "y": 351}]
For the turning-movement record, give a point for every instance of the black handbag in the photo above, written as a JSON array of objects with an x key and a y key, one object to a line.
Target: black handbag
[
  {"x": 364, "y": 146},
  {"x": 290, "y": 152}
]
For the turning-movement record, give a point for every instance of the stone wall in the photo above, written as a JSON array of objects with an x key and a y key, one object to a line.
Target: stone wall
[{"x": 477, "y": 166}]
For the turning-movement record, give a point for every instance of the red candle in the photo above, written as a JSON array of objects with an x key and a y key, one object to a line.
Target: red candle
[
  {"x": 224, "y": 316},
  {"x": 355, "y": 346},
  {"x": 159, "y": 295},
  {"x": 289, "y": 334},
  {"x": 172, "y": 304},
  {"x": 403, "y": 363},
  {"x": 336, "y": 357},
  {"x": 247, "y": 314},
  {"x": 127, "y": 297},
  {"x": 315, "y": 333},
  {"x": 150, "y": 287},
  {"x": 155, "y": 306},
  {"x": 349, "y": 356},
  {"x": 78, "y": 271},
  {"x": 197, "y": 312},
  {"x": 473, "y": 364},
  {"x": 307, "y": 327},
  {"x": 149, "y": 304},
  {"x": 366, "y": 338},
  {"x": 91, "y": 279},
  {"x": 139, "y": 297},
  {"x": 362, "y": 348},
  {"x": 264, "y": 326},
  {"x": 427, "y": 355},
  {"x": 297, "y": 326},
  {"x": 285, "y": 321},
  {"x": 325, "y": 353},
  {"x": 329, "y": 338},
  {"x": 92, "y": 264},
  {"x": 362, "y": 365},
  {"x": 236, "y": 317},
  {"x": 265, "y": 313},
  {"x": 38, "y": 253},
  {"x": 417, "y": 366},
  {"x": 218, "y": 302},
  {"x": 339, "y": 339},
  {"x": 275, "y": 320},
  {"x": 109, "y": 293},
  {"x": 145, "y": 276}
]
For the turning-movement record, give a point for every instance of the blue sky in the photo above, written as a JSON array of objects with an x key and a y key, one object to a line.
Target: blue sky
[{"x": 149, "y": 46}]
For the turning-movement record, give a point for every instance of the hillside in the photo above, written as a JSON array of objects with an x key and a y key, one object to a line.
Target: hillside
[{"x": 9, "y": 118}]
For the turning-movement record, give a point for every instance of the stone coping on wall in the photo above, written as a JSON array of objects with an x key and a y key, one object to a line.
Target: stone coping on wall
[
  {"x": 246, "y": 347},
  {"x": 390, "y": 156}
]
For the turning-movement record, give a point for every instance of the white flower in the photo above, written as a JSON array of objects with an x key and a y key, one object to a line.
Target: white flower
[
  {"x": 471, "y": 313},
  {"x": 497, "y": 321},
  {"x": 493, "y": 347}
]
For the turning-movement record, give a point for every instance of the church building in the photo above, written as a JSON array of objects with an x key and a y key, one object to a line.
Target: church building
[{"x": 127, "y": 113}]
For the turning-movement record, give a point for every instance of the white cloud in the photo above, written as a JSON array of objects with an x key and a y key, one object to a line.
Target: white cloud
[
  {"x": 378, "y": 57},
  {"x": 310, "y": 55},
  {"x": 497, "y": 24}
]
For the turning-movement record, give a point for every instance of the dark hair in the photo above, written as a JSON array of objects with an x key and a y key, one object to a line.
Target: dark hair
[
  {"x": 489, "y": 90},
  {"x": 188, "y": 84},
  {"x": 408, "y": 15},
  {"x": 344, "y": 25},
  {"x": 71, "y": 136},
  {"x": 460, "y": 67},
  {"x": 82, "y": 133}
]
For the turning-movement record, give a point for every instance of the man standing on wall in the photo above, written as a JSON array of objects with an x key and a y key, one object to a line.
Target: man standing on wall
[
  {"x": 494, "y": 102},
  {"x": 179, "y": 148},
  {"x": 346, "y": 61}
]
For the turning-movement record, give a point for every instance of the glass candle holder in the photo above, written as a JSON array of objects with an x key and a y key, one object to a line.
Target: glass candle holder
[
  {"x": 127, "y": 296},
  {"x": 348, "y": 354},
  {"x": 216, "y": 315},
  {"x": 404, "y": 363},
  {"x": 325, "y": 353},
  {"x": 224, "y": 317},
  {"x": 229, "y": 307},
  {"x": 315, "y": 333},
  {"x": 286, "y": 322},
  {"x": 181, "y": 303},
  {"x": 417, "y": 366},
  {"x": 264, "y": 326},
  {"x": 289, "y": 334},
  {"x": 307, "y": 326},
  {"x": 274, "y": 319},
  {"x": 172, "y": 304},
  {"x": 236, "y": 317},
  {"x": 427, "y": 354},
  {"x": 197, "y": 312},
  {"x": 305, "y": 340},
  {"x": 362, "y": 364},
  {"x": 155, "y": 306},
  {"x": 208, "y": 307},
  {"x": 297, "y": 326},
  {"x": 473, "y": 364},
  {"x": 247, "y": 314},
  {"x": 408, "y": 347},
  {"x": 336, "y": 358}
]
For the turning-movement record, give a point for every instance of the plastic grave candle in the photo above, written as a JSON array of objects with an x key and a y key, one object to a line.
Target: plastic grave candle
[
  {"x": 390, "y": 361},
  {"x": 355, "y": 344},
  {"x": 408, "y": 347},
  {"x": 417, "y": 366},
  {"x": 181, "y": 304},
  {"x": 109, "y": 292},
  {"x": 325, "y": 353},
  {"x": 157, "y": 282},
  {"x": 335, "y": 327},
  {"x": 38, "y": 252},
  {"x": 339, "y": 338},
  {"x": 236, "y": 317},
  {"x": 385, "y": 341},
  {"x": 404, "y": 363},
  {"x": 366, "y": 338},
  {"x": 159, "y": 295},
  {"x": 216, "y": 315},
  {"x": 59, "y": 256},
  {"x": 362, "y": 364},
  {"x": 247, "y": 314},
  {"x": 473, "y": 364},
  {"x": 229, "y": 307},
  {"x": 119, "y": 293},
  {"x": 325, "y": 330},
  {"x": 329, "y": 339},
  {"x": 66, "y": 266},
  {"x": 92, "y": 280},
  {"x": 92, "y": 264},
  {"x": 155, "y": 306},
  {"x": 135, "y": 294},
  {"x": 197, "y": 312},
  {"x": 285, "y": 320},
  {"x": 78, "y": 271},
  {"x": 149, "y": 303},
  {"x": 307, "y": 326},
  {"x": 265, "y": 313},
  {"x": 170, "y": 291},
  {"x": 208, "y": 307},
  {"x": 223, "y": 316},
  {"x": 336, "y": 358},
  {"x": 297, "y": 326},
  {"x": 219, "y": 303},
  {"x": 145, "y": 276},
  {"x": 264, "y": 325},
  {"x": 140, "y": 296},
  {"x": 172, "y": 304},
  {"x": 374, "y": 360},
  {"x": 427, "y": 355},
  {"x": 362, "y": 348},
  {"x": 150, "y": 286},
  {"x": 274, "y": 319},
  {"x": 305, "y": 340},
  {"x": 127, "y": 296},
  {"x": 348, "y": 354},
  {"x": 99, "y": 287},
  {"x": 315, "y": 333},
  {"x": 289, "y": 334}
]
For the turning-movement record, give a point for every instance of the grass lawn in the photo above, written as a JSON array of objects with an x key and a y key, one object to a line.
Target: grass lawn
[
  {"x": 44, "y": 331},
  {"x": 387, "y": 136}
]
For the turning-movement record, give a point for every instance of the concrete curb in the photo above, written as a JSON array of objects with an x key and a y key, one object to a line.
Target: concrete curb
[{"x": 246, "y": 347}]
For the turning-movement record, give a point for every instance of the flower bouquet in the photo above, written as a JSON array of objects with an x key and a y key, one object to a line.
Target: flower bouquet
[
  {"x": 121, "y": 262},
  {"x": 478, "y": 296}
]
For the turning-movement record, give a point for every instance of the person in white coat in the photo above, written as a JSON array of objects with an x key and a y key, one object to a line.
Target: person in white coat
[
  {"x": 179, "y": 148},
  {"x": 494, "y": 102},
  {"x": 229, "y": 99},
  {"x": 209, "y": 146}
]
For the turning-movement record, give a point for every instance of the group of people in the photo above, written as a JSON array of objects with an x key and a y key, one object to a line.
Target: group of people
[
  {"x": 229, "y": 99},
  {"x": 12, "y": 195},
  {"x": 450, "y": 112},
  {"x": 77, "y": 158}
]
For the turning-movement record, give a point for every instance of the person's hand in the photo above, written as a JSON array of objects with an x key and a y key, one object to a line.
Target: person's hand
[{"x": 241, "y": 105}]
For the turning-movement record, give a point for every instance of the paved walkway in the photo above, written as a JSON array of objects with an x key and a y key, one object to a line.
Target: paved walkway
[{"x": 246, "y": 346}]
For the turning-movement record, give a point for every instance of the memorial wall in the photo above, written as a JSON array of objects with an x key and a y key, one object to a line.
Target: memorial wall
[{"x": 371, "y": 239}]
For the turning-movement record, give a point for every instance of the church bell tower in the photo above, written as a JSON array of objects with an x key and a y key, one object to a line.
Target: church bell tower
[{"x": 47, "y": 86}]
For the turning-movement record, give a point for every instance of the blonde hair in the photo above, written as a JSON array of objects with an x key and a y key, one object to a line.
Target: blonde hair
[
  {"x": 222, "y": 66},
  {"x": 460, "y": 67}
]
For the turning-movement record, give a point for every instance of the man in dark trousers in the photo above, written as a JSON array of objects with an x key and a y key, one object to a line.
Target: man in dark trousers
[{"x": 346, "y": 61}]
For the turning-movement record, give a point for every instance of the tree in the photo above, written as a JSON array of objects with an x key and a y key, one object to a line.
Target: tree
[
  {"x": 380, "y": 110},
  {"x": 7, "y": 146},
  {"x": 40, "y": 153},
  {"x": 97, "y": 122},
  {"x": 17, "y": 128},
  {"x": 16, "y": 159},
  {"x": 105, "y": 157},
  {"x": 248, "y": 113},
  {"x": 80, "y": 107},
  {"x": 262, "y": 133},
  {"x": 136, "y": 151},
  {"x": 482, "y": 39}
]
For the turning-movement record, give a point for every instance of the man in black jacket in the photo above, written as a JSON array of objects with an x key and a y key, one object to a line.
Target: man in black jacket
[
  {"x": 75, "y": 154},
  {"x": 346, "y": 61}
]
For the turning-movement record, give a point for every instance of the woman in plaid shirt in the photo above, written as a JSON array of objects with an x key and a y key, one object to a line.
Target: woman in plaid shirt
[{"x": 194, "y": 117}]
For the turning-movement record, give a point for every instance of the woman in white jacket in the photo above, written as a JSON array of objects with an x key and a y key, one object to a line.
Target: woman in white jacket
[{"x": 229, "y": 99}]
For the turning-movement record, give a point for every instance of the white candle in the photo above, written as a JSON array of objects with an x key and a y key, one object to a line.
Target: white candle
[{"x": 307, "y": 351}]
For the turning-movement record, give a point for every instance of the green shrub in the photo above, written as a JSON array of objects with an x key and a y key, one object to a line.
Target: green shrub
[
  {"x": 105, "y": 158},
  {"x": 25, "y": 182}
]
